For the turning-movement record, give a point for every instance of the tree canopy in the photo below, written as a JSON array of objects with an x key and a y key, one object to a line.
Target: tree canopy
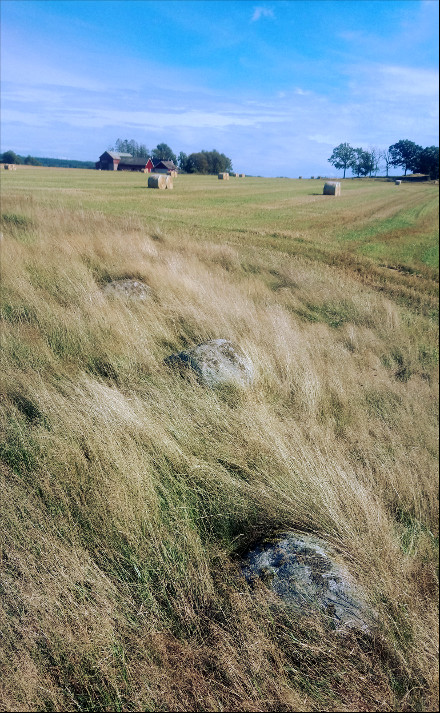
[
  {"x": 364, "y": 163},
  {"x": 205, "y": 162},
  {"x": 428, "y": 161},
  {"x": 10, "y": 157},
  {"x": 342, "y": 157},
  {"x": 130, "y": 146},
  {"x": 181, "y": 161},
  {"x": 162, "y": 152},
  {"x": 405, "y": 153}
]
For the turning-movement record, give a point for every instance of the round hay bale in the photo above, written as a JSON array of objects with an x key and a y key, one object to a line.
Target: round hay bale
[
  {"x": 169, "y": 182},
  {"x": 332, "y": 188},
  {"x": 397, "y": 183},
  {"x": 223, "y": 176},
  {"x": 157, "y": 181}
]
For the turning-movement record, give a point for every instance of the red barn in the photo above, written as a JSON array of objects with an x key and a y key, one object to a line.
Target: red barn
[{"x": 109, "y": 160}]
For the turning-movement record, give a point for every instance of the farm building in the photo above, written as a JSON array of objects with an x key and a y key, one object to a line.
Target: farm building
[
  {"x": 134, "y": 164},
  {"x": 109, "y": 160},
  {"x": 115, "y": 161},
  {"x": 165, "y": 167}
]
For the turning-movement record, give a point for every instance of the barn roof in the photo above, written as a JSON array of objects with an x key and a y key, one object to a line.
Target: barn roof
[
  {"x": 166, "y": 164},
  {"x": 134, "y": 161},
  {"x": 117, "y": 154}
]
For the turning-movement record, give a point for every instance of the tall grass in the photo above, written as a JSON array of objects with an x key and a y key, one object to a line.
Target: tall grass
[{"x": 130, "y": 494}]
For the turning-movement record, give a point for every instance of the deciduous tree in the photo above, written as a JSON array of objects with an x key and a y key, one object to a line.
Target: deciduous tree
[
  {"x": 208, "y": 162},
  {"x": 363, "y": 162},
  {"x": 10, "y": 157},
  {"x": 130, "y": 146},
  {"x": 162, "y": 152},
  {"x": 356, "y": 162},
  {"x": 342, "y": 157},
  {"x": 375, "y": 158},
  {"x": 405, "y": 153},
  {"x": 428, "y": 161},
  {"x": 197, "y": 163},
  {"x": 182, "y": 161},
  {"x": 387, "y": 158}
]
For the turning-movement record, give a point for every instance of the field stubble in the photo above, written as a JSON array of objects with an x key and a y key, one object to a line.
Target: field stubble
[{"x": 130, "y": 493}]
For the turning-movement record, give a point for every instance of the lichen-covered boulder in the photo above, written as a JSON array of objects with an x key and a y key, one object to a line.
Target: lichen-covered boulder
[
  {"x": 130, "y": 289},
  {"x": 306, "y": 574},
  {"x": 215, "y": 363}
]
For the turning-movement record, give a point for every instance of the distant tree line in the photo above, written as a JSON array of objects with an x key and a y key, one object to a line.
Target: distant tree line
[
  {"x": 404, "y": 153},
  {"x": 12, "y": 157}
]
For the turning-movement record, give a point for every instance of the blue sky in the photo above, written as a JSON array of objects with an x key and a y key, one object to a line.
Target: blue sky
[{"x": 273, "y": 85}]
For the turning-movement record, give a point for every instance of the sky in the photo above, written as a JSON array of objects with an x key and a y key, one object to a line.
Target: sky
[{"x": 274, "y": 85}]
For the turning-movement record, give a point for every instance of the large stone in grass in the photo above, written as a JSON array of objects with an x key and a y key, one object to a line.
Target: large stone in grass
[
  {"x": 215, "y": 363},
  {"x": 130, "y": 289},
  {"x": 306, "y": 575}
]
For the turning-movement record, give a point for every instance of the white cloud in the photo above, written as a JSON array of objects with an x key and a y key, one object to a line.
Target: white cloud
[
  {"x": 215, "y": 119},
  {"x": 262, "y": 11},
  {"x": 409, "y": 81}
]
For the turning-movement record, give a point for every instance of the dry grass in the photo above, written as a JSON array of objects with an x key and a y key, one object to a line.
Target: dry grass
[{"x": 130, "y": 494}]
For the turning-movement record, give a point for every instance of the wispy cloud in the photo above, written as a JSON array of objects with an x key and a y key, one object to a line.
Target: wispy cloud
[
  {"x": 76, "y": 104},
  {"x": 297, "y": 127},
  {"x": 262, "y": 11}
]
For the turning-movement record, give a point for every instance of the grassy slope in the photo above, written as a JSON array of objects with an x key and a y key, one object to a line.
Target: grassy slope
[{"x": 129, "y": 493}]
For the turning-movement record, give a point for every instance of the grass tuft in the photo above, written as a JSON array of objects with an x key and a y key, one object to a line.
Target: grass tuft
[{"x": 130, "y": 495}]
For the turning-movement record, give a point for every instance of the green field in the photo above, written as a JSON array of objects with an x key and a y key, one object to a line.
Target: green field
[{"x": 131, "y": 494}]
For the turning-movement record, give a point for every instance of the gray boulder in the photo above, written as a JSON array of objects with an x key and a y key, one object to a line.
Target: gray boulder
[
  {"x": 305, "y": 575},
  {"x": 215, "y": 363},
  {"x": 131, "y": 289}
]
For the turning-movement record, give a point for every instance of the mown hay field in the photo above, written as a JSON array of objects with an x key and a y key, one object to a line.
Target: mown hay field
[{"x": 130, "y": 494}]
